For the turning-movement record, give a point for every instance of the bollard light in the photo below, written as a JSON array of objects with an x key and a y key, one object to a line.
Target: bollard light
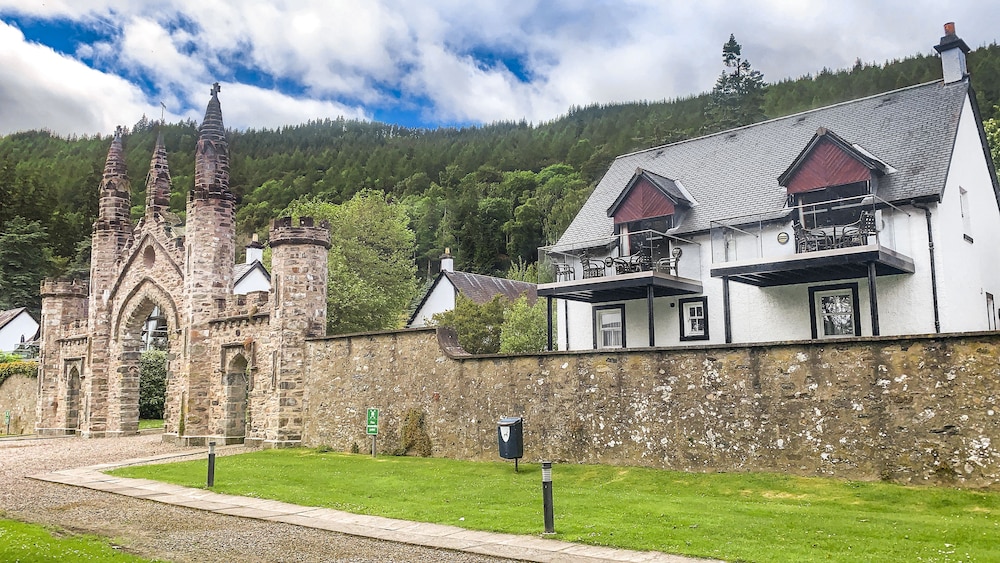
[
  {"x": 547, "y": 497},
  {"x": 211, "y": 464}
]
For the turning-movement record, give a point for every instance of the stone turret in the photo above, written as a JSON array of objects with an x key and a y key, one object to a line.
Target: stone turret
[
  {"x": 113, "y": 228},
  {"x": 211, "y": 233},
  {"x": 64, "y": 314},
  {"x": 298, "y": 311},
  {"x": 158, "y": 181}
]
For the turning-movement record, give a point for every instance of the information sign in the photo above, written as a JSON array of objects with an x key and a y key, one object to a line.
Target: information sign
[{"x": 372, "y": 422}]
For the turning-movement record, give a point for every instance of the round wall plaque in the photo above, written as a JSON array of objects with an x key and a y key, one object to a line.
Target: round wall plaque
[{"x": 782, "y": 237}]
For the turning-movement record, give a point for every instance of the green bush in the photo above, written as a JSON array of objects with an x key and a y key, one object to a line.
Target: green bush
[
  {"x": 152, "y": 384},
  {"x": 18, "y": 367},
  {"x": 415, "y": 438},
  {"x": 524, "y": 330}
]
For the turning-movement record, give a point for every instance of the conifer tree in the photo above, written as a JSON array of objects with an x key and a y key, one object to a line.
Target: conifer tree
[{"x": 738, "y": 96}]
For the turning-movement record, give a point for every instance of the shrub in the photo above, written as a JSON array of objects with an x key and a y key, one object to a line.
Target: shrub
[
  {"x": 152, "y": 384},
  {"x": 415, "y": 439}
]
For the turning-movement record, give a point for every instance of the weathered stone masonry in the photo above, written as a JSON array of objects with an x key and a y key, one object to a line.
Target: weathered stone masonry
[
  {"x": 910, "y": 410},
  {"x": 234, "y": 361}
]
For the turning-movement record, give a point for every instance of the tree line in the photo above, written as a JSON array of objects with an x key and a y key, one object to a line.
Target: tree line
[{"x": 492, "y": 194}]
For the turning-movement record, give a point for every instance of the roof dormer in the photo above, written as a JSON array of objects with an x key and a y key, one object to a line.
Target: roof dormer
[
  {"x": 828, "y": 160},
  {"x": 646, "y": 196}
]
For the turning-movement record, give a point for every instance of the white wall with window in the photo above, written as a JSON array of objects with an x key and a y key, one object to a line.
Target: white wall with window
[{"x": 966, "y": 268}]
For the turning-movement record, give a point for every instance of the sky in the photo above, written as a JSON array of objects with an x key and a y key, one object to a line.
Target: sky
[{"x": 81, "y": 67}]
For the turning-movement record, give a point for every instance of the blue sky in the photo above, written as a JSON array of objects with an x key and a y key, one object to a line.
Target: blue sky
[{"x": 84, "y": 66}]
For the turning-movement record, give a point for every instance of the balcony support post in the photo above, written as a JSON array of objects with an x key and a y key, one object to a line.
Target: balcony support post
[
  {"x": 726, "y": 318},
  {"x": 548, "y": 323},
  {"x": 649, "y": 313},
  {"x": 873, "y": 298}
]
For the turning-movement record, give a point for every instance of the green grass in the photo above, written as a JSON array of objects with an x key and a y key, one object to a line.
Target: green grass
[
  {"x": 30, "y": 542},
  {"x": 146, "y": 423},
  {"x": 746, "y": 517}
]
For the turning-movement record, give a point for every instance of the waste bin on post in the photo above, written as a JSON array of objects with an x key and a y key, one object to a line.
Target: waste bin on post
[{"x": 510, "y": 438}]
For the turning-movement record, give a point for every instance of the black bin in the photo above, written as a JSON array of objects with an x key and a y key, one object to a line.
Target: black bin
[{"x": 510, "y": 437}]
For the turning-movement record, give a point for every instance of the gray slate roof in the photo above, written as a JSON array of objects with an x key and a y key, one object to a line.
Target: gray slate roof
[
  {"x": 9, "y": 315},
  {"x": 735, "y": 172},
  {"x": 481, "y": 289}
]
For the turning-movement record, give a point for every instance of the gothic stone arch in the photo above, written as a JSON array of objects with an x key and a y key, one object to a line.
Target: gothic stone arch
[{"x": 125, "y": 351}]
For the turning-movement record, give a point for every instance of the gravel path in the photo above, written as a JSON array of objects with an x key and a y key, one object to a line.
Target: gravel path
[{"x": 164, "y": 532}]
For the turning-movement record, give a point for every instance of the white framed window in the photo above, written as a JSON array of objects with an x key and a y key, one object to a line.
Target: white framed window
[
  {"x": 609, "y": 327},
  {"x": 991, "y": 312},
  {"x": 834, "y": 311},
  {"x": 694, "y": 318}
]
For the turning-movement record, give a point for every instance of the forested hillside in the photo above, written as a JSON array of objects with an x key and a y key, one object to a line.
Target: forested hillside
[{"x": 492, "y": 193}]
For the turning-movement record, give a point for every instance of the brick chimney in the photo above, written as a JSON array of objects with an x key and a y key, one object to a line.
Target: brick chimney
[{"x": 953, "y": 52}]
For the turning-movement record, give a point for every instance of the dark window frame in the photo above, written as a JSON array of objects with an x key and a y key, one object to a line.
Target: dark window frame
[
  {"x": 855, "y": 303},
  {"x": 681, "y": 303}
]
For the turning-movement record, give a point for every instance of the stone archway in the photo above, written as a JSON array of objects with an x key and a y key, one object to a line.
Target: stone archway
[
  {"x": 236, "y": 383},
  {"x": 131, "y": 338}
]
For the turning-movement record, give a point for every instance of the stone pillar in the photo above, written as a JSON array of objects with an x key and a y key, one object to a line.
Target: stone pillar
[{"x": 210, "y": 256}]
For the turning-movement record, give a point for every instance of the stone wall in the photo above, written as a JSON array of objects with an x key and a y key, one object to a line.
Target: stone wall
[
  {"x": 18, "y": 394},
  {"x": 910, "y": 410}
]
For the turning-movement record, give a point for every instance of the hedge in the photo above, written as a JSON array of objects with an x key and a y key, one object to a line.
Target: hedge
[{"x": 22, "y": 367}]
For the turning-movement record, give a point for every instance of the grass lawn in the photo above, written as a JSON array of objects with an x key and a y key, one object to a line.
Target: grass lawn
[
  {"x": 735, "y": 516},
  {"x": 30, "y": 542},
  {"x": 146, "y": 423}
]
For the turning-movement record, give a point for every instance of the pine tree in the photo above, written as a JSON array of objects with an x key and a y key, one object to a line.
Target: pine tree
[{"x": 738, "y": 96}]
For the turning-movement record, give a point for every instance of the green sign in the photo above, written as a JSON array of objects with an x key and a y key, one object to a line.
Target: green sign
[
  {"x": 372, "y": 422},
  {"x": 6, "y": 417}
]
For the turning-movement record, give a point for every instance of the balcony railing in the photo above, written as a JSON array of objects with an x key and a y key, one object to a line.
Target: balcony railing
[
  {"x": 646, "y": 251},
  {"x": 835, "y": 225}
]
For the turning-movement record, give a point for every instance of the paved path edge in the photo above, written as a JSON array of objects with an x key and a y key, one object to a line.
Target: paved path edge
[{"x": 440, "y": 536}]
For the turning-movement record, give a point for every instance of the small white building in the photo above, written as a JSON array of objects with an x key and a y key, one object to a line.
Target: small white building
[
  {"x": 252, "y": 275},
  {"x": 17, "y": 327},
  {"x": 449, "y": 284},
  {"x": 877, "y": 216}
]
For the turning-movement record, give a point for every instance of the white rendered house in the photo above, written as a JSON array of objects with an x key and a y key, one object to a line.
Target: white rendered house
[
  {"x": 17, "y": 327},
  {"x": 877, "y": 216}
]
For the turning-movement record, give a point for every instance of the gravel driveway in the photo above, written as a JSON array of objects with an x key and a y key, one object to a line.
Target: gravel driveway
[{"x": 164, "y": 532}]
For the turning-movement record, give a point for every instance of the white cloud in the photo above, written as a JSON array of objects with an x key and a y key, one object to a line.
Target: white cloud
[
  {"x": 331, "y": 58},
  {"x": 40, "y": 88},
  {"x": 246, "y": 107}
]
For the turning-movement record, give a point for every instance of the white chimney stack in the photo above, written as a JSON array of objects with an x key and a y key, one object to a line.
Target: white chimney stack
[
  {"x": 255, "y": 251},
  {"x": 953, "y": 52},
  {"x": 447, "y": 262}
]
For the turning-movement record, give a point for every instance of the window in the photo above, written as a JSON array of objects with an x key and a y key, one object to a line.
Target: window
[
  {"x": 991, "y": 312},
  {"x": 694, "y": 318},
  {"x": 609, "y": 327},
  {"x": 834, "y": 311},
  {"x": 834, "y": 205},
  {"x": 963, "y": 200}
]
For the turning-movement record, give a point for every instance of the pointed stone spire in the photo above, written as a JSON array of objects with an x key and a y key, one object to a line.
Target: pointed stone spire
[
  {"x": 116, "y": 197},
  {"x": 158, "y": 180},
  {"x": 211, "y": 177},
  {"x": 114, "y": 167}
]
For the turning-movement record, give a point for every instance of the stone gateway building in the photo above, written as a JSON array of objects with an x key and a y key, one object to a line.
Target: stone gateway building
[{"x": 234, "y": 362}]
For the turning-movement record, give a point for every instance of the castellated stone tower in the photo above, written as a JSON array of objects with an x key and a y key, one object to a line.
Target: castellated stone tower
[
  {"x": 298, "y": 311},
  {"x": 234, "y": 362},
  {"x": 64, "y": 310}
]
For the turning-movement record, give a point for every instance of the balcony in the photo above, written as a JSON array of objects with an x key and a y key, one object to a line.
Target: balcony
[
  {"x": 620, "y": 267},
  {"x": 824, "y": 241}
]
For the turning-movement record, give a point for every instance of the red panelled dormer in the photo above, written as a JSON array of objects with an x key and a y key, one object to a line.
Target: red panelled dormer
[
  {"x": 647, "y": 196},
  {"x": 827, "y": 161}
]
